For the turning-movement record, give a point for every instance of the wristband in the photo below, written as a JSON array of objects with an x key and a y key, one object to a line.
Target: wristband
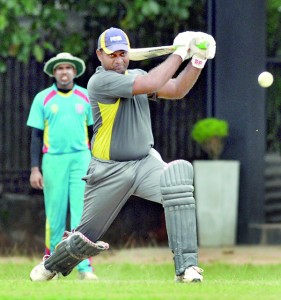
[
  {"x": 198, "y": 62},
  {"x": 181, "y": 51}
]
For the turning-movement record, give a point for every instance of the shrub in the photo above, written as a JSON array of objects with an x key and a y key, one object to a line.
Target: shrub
[{"x": 210, "y": 133}]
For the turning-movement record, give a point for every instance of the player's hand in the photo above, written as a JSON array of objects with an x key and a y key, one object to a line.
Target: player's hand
[
  {"x": 203, "y": 44},
  {"x": 36, "y": 179},
  {"x": 202, "y": 48},
  {"x": 183, "y": 42}
]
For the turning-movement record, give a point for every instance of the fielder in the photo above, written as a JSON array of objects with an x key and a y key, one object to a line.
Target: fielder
[
  {"x": 124, "y": 162},
  {"x": 61, "y": 121}
]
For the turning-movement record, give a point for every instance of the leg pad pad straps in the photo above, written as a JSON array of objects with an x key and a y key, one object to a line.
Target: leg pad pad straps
[
  {"x": 176, "y": 185},
  {"x": 71, "y": 251}
]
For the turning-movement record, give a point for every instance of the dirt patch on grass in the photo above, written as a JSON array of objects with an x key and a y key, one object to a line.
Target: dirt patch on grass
[
  {"x": 242, "y": 255},
  {"x": 236, "y": 255}
]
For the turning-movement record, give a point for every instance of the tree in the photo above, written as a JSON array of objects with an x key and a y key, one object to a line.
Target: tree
[
  {"x": 273, "y": 28},
  {"x": 273, "y": 103},
  {"x": 24, "y": 28},
  {"x": 30, "y": 28}
]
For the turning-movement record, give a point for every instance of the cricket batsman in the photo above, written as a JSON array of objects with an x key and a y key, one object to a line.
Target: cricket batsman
[{"x": 124, "y": 162}]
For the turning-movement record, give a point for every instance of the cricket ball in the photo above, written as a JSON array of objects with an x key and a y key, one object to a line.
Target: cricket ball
[{"x": 265, "y": 79}]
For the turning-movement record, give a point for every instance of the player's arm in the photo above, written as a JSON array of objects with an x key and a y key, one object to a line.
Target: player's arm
[
  {"x": 160, "y": 79},
  {"x": 90, "y": 132},
  {"x": 36, "y": 178},
  {"x": 177, "y": 88},
  {"x": 157, "y": 77}
]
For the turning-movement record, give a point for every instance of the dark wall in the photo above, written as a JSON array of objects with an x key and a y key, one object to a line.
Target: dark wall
[{"x": 233, "y": 94}]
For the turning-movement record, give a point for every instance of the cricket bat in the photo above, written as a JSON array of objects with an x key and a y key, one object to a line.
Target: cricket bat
[{"x": 137, "y": 54}]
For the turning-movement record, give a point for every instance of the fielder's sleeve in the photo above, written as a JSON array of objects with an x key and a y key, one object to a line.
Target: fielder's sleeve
[{"x": 36, "y": 114}]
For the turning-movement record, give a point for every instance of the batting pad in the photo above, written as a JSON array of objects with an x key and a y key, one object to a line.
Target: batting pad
[
  {"x": 71, "y": 251},
  {"x": 176, "y": 185}
]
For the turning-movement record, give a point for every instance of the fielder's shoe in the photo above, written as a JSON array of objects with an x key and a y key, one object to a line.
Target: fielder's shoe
[
  {"x": 40, "y": 273},
  {"x": 191, "y": 274},
  {"x": 88, "y": 276}
]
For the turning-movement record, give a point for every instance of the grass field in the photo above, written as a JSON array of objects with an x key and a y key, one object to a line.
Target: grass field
[{"x": 143, "y": 280}]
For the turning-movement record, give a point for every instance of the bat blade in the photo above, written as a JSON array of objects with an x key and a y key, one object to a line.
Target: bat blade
[{"x": 150, "y": 52}]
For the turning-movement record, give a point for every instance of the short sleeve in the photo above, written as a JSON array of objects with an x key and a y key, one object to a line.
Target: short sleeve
[{"x": 36, "y": 114}]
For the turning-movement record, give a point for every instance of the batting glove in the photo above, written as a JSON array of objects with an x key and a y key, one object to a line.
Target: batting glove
[
  {"x": 202, "y": 48},
  {"x": 182, "y": 44}
]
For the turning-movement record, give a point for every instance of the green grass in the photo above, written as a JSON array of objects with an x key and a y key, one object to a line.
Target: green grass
[{"x": 134, "y": 281}]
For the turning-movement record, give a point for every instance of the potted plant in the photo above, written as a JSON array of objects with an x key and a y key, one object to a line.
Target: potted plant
[
  {"x": 216, "y": 185},
  {"x": 210, "y": 133}
]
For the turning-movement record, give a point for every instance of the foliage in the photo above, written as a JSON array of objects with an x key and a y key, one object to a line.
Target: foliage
[
  {"x": 24, "y": 25},
  {"x": 273, "y": 108},
  {"x": 30, "y": 28},
  {"x": 210, "y": 134},
  {"x": 207, "y": 128},
  {"x": 273, "y": 103},
  {"x": 273, "y": 27}
]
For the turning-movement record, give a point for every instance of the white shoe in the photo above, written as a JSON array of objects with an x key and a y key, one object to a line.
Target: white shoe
[
  {"x": 88, "y": 276},
  {"x": 40, "y": 273},
  {"x": 191, "y": 274}
]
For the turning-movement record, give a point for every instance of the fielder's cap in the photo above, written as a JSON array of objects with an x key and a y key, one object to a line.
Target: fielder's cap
[
  {"x": 113, "y": 39},
  {"x": 63, "y": 58}
]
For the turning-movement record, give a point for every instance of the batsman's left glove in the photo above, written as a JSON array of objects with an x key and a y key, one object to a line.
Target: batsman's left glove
[{"x": 183, "y": 43}]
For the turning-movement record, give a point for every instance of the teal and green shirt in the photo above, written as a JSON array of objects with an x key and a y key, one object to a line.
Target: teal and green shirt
[{"x": 64, "y": 118}]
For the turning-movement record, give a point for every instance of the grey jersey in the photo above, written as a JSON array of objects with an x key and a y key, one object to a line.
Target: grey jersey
[{"x": 122, "y": 129}]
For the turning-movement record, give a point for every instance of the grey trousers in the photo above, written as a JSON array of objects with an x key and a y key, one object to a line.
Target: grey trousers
[{"x": 109, "y": 184}]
